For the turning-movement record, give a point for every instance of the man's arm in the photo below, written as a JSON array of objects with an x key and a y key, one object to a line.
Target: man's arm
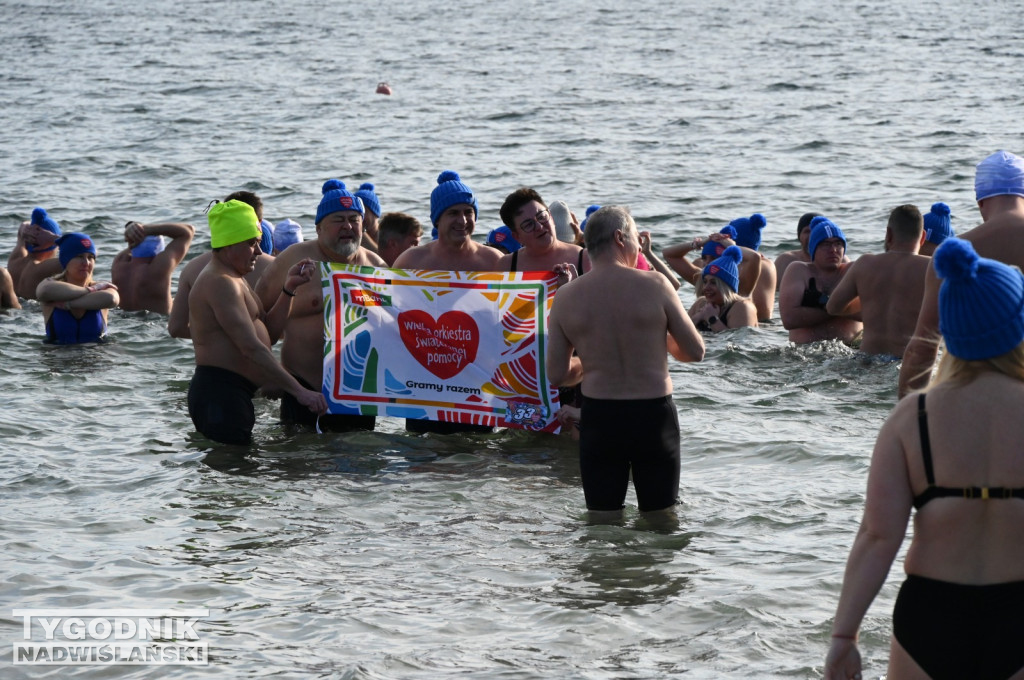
[
  {"x": 268, "y": 289},
  {"x": 229, "y": 307},
  {"x": 675, "y": 257},
  {"x": 562, "y": 370},
  {"x": 845, "y": 299},
  {"x": 923, "y": 347},
  {"x": 277, "y": 316},
  {"x": 684, "y": 341},
  {"x": 180, "y": 234},
  {"x": 646, "y": 247}
]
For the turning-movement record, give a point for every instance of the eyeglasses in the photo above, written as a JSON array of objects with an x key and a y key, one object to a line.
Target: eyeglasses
[{"x": 542, "y": 217}]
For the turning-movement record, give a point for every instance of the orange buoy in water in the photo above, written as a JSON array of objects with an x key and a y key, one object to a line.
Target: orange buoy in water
[{"x": 383, "y": 88}]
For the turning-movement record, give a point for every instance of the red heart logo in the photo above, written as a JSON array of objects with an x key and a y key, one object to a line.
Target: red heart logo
[{"x": 445, "y": 346}]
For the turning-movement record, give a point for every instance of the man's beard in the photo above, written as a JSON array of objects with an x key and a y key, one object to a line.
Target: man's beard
[{"x": 347, "y": 249}]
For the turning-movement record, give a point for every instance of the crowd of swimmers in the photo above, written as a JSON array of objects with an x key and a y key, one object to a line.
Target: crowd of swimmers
[{"x": 956, "y": 461}]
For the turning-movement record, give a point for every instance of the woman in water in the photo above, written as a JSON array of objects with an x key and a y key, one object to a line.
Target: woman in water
[
  {"x": 74, "y": 306},
  {"x": 952, "y": 452},
  {"x": 720, "y": 306}
]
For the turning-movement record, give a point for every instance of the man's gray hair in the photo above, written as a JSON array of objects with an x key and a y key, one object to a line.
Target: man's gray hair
[{"x": 602, "y": 225}]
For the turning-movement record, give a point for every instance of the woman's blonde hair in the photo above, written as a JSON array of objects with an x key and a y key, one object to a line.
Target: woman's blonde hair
[
  {"x": 956, "y": 370},
  {"x": 728, "y": 294}
]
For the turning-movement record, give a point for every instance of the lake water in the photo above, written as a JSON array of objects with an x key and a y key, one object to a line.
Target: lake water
[{"x": 384, "y": 555}]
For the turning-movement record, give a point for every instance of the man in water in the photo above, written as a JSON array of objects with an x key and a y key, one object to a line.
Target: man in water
[
  {"x": 177, "y": 322},
  {"x": 453, "y": 211},
  {"x": 8, "y": 298},
  {"x": 803, "y": 234},
  {"x": 34, "y": 257},
  {"x": 806, "y": 288},
  {"x": 398, "y": 233},
  {"x": 339, "y": 221},
  {"x": 142, "y": 271},
  {"x": 999, "y": 190},
  {"x": 628, "y": 422},
  {"x": 230, "y": 334},
  {"x": 889, "y": 286}
]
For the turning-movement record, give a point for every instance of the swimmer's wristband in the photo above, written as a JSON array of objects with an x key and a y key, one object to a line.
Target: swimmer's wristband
[{"x": 287, "y": 292}]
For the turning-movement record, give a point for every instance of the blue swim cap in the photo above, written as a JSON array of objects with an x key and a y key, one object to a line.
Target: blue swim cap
[{"x": 150, "y": 246}]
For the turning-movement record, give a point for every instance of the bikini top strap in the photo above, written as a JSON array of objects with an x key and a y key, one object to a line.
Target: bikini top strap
[
  {"x": 515, "y": 260},
  {"x": 926, "y": 447},
  {"x": 580, "y": 265}
]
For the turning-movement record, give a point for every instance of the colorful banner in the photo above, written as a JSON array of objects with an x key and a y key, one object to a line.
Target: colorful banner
[{"x": 465, "y": 347}]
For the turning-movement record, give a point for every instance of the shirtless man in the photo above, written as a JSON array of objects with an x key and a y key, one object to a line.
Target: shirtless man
[
  {"x": 339, "y": 220},
  {"x": 142, "y": 271},
  {"x": 398, "y": 232},
  {"x": 230, "y": 335},
  {"x": 806, "y": 288},
  {"x": 371, "y": 216},
  {"x": 34, "y": 257},
  {"x": 628, "y": 421},
  {"x": 177, "y": 322},
  {"x": 889, "y": 285},
  {"x": 999, "y": 190},
  {"x": 803, "y": 234},
  {"x": 453, "y": 211}
]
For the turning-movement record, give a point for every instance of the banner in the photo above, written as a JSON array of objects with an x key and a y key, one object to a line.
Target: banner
[{"x": 465, "y": 347}]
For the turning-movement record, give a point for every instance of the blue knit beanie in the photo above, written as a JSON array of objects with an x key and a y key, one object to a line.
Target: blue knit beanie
[
  {"x": 73, "y": 244},
  {"x": 981, "y": 302},
  {"x": 41, "y": 219},
  {"x": 450, "y": 191},
  {"x": 502, "y": 236},
  {"x": 727, "y": 268},
  {"x": 336, "y": 198},
  {"x": 714, "y": 248},
  {"x": 1000, "y": 174},
  {"x": 267, "y": 239},
  {"x": 823, "y": 228},
  {"x": 370, "y": 200},
  {"x": 937, "y": 227},
  {"x": 748, "y": 230},
  {"x": 591, "y": 209}
]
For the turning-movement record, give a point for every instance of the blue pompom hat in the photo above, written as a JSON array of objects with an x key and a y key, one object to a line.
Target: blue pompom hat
[
  {"x": 369, "y": 198},
  {"x": 727, "y": 268},
  {"x": 450, "y": 190},
  {"x": 981, "y": 302},
  {"x": 337, "y": 198},
  {"x": 823, "y": 228},
  {"x": 41, "y": 219},
  {"x": 937, "y": 226},
  {"x": 591, "y": 209},
  {"x": 1000, "y": 174},
  {"x": 73, "y": 244},
  {"x": 502, "y": 236},
  {"x": 715, "y": 248},
  {"x": 748, "y": 230}
]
